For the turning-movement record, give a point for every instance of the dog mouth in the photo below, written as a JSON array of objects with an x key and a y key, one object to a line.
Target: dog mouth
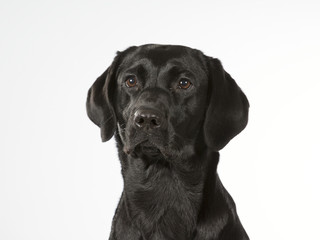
[
  {"x": 152, "y": 147},
  {"x": 148, "y": 149},
  {"x": 145, "y": 148}
]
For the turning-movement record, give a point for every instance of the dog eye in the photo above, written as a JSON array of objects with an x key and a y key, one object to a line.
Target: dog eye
[
  {"x": 184, "y": 83},
  {"x": 131, "y": 81}
]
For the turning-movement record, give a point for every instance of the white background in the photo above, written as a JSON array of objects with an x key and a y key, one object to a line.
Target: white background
[{"x": 58, "y": 181}]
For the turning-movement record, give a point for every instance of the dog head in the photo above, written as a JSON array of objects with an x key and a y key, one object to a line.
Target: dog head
[{"x": 161, "y": 100}]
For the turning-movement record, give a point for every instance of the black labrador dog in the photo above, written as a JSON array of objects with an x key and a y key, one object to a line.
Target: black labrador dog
[{"x": 171, "y": 109}]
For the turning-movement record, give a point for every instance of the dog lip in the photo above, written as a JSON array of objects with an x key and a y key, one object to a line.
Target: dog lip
[
  {"x": 145, "y": 147},
  {"x": 148, "y": 149},
  {"x": 130, "y": 147},
  {"x": 146, "y": 143},
  {"x": 151, "y": 146}
]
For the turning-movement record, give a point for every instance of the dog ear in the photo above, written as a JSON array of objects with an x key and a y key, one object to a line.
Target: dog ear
[
  {"x": 100, "y": 97},
  {"x": 227, "y": 112},
  {"x": 99, "y": 109},
  {"x": 99, "y": 101}
]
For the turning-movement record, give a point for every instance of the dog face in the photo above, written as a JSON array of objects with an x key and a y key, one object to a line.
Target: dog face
[
  {"x": 163, "y": 101},
  {"x": 158, "y": 94}
]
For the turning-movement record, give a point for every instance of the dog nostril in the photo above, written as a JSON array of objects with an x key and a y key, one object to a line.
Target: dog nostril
[
  {"x": 155, "y": 122},
  {"x": 139, "y": 120}
]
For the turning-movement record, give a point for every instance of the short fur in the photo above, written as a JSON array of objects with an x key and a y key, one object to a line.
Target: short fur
[{"x": 168, "y": 140}]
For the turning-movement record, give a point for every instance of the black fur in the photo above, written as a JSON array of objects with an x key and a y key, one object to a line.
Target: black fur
[{"x": 168, "y": 137}]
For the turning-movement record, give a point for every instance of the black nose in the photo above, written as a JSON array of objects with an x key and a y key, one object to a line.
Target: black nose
[{"x": 148, "y": 119}]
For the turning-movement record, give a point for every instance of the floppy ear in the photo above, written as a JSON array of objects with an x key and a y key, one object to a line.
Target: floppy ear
[
  {"x": 99, "y": 109},
  {"x": 100, "y": 96},
  {"x": 227, "y": 112}
]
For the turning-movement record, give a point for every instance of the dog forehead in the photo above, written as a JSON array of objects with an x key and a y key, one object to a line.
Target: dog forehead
[{"x": 160, "y": 56}]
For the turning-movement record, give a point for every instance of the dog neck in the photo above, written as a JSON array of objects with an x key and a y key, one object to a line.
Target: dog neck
[{"x": 167, "y": 195}]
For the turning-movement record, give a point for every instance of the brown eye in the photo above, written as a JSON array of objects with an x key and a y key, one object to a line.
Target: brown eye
[
  {"x": 131, "y": 82},
  {"x": 184, "y": 83}
]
